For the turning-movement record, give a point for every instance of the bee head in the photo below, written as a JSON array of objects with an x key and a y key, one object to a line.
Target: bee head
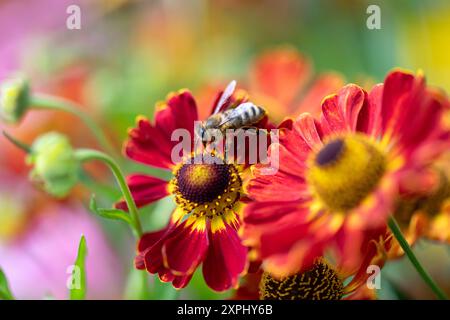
[{"x": 203, "y": 134}]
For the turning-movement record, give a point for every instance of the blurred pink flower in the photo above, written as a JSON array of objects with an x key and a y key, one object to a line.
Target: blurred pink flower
[
  {"x": 23, "y": 21},
  {"x": 39, "y": 241},
  {"x": 36, "y": 263}
]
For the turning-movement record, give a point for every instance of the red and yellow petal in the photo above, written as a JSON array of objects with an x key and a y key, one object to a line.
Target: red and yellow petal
[
  {"x": 185, "y": 249},
  {"x": 149, "y": 239},
  {"x": 152, "y": 144},
  {"x": 226, "y": 259},
  {"x": 145, "y": 190},
  {"x": 150, "y": 247},
  {"x": 145, "y": 243}
]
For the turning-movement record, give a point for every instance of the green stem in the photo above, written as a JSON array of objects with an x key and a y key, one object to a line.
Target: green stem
[
  {"x": 88, "y": 155},
  {"x": 47, "y": 102},
  {"x": 21, "y": 145},
  {"x": 393, "y": 225}
]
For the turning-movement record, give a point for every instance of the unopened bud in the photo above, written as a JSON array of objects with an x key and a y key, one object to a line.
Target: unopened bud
[
  {"x": 55, "y": 165},
  {"x": 14, "y": 99}
]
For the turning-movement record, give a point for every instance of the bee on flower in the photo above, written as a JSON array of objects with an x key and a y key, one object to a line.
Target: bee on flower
[{"x": 203, "y": 228}]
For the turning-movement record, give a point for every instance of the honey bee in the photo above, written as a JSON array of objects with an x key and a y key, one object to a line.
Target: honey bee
[{"x": 245, "y": 115}]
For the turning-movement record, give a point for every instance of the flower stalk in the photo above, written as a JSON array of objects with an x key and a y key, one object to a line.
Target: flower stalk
[
  {"x": 395, "y": 229},
  {"x": 19, "y": 144},
  {"x": 47, "y": 102},
  {"x": 89, "y": 155}
]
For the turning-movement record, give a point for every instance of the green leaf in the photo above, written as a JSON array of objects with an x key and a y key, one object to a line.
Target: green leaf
[
  {"x": 114, "y": 214},
  {"x": 5, "y": 293},
  {"x": 78, "y": 278}
]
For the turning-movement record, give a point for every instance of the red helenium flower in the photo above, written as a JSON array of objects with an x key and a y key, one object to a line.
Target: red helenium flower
[
  {"x": 323, "y": 281},
  {"x": 339, "y": 174},
  {"x": 283, "y": 80},
  {"x": 203, "y": 227}
]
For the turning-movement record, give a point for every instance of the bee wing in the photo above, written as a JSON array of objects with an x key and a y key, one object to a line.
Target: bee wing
[{"x": 227, "y": 93}]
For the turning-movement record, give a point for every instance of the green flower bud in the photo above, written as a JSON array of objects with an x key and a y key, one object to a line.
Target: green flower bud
[
  {"x": 14, "y": 99},
  {"x": 55, "y": 164}
]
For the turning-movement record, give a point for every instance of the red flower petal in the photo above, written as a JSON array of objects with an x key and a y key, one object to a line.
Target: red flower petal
[
  {"x": 424, "y": 126},
  {"x": 165, "y": 275},
  {"x": 323, "y": 86},
  {"x": 282, "y": 236},
  {"x": 351, "y": 100},
  {"x": 180, "y": 112},
  {"x": 280, "y": 74},
  {"x": 340, "y": 112},
  {"x": 180, "y": 282},
  {"x": 152, "y": 144},
  {"x": 145, "y": 189},
  {"x": 257, "y": 213},
  {"x": 369, "y": 244},
  {"x": 185, "y": 249},
  {"x": 397, "y": 87},
  {"x": 225, "y": 260},
  {"x": 139, "y": 262},
  {"x": 153, "y": 253},
  {"x": 369, "y": 120},
  {"x": 249, "y": 289},
  {"x": 145, "y": 243},
  {"x": 149, "y": 239},
  {"x": 151, "y": 258},
  {"x": 285, "y": 180},
  {"x": 300, "y": 257},
  {"x": 148, "y": 145},
  {"x": 412, "y": 112},
  {"x": 309, "y": 131},
  {"x": 265, "y": 219},
  {"x": 332, "y": 116}
]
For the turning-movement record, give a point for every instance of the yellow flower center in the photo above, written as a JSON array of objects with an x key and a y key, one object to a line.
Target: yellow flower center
[
  {"x": 345, "y": 170},
  {"x": 206, "y": 189},
  {"x": 321, "y": 282}
]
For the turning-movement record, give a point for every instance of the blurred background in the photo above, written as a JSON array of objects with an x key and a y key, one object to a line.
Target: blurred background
[{"x": 127, "y": 56}]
